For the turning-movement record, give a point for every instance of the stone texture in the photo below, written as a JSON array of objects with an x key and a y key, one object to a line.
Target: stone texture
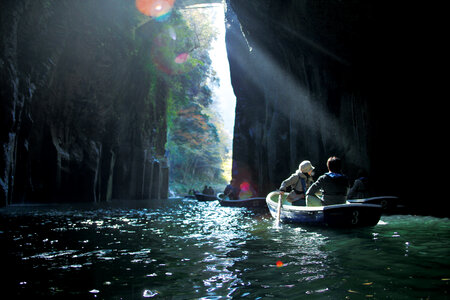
[
  {"x": 318, "y": 78},
  {"x": 78, "y": 123}
]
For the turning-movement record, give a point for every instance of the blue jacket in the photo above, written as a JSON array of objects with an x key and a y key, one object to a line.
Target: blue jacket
[{"x": 334, "y": 188}]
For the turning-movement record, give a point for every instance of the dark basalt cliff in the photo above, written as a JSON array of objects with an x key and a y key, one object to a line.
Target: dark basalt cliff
[
  {"x": 318, "y": 78},
  {"x": 83, "y": 114},
  {"x": 77, "y": 120}
]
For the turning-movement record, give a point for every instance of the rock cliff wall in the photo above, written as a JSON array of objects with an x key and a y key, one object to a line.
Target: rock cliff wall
[
  {"x": 78, "y": 120},
  {"x": 319, "y": 78}
]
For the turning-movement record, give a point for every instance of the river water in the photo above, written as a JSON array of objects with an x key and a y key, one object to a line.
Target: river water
[{"x": 200, "y": 250}]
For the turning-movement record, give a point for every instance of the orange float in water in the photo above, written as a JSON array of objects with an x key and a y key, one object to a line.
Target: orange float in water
[
  {"x": 279, "y": 263},
  {"x": 154, "y": 8}
]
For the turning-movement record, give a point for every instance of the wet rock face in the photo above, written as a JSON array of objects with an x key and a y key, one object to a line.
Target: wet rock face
[
  {"x": 321, "y": 78},
  {"x": 77, "y": 123}
]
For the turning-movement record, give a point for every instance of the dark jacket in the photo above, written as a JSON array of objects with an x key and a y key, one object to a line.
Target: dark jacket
[
  {"x": 334, "y": 187},
  {"x": 359, "y": 190},
  {"x": 232, "y": 192}
]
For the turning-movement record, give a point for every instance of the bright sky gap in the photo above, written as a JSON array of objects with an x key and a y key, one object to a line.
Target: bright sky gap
[{"x": 223, "y": 95}]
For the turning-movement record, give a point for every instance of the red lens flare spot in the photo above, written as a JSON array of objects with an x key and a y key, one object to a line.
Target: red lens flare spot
[
  {"x": 246, "y": 190},
  {"x": 154, "y": 8},
  {"x": 168, "y": 52},
  {"x": 182, "y": 58},
  {"x": 245, "y": 186},
  {"x": 279, "y": 263}
]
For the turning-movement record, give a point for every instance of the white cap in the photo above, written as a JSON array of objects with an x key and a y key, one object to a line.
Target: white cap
[{"x": 305, "y": 166}]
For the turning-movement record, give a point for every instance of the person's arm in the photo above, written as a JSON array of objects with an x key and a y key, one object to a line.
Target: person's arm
[
  {"x": 315, "y": 187},
  {"x": 288, "y": 182},
  {"x": 354, "y": 189}
]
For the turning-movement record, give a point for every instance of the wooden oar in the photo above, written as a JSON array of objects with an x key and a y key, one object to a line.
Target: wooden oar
[{"x": 280, "y": 203}]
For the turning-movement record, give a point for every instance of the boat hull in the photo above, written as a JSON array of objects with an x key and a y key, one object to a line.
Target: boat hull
[
  {"x": 204, "y": 197},
  {"x": 389, "y": 204},
  {"x": 251, "y": 202},
  {"x": 340, "y": 215}
]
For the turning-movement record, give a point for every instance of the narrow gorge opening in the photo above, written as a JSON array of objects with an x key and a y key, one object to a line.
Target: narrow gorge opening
[
  {"x": 200, "y": 135},
  {"x": 101, "y": 100}
]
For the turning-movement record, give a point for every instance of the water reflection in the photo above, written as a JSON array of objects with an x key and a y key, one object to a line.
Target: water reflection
[{"x": 200, "y": 250}]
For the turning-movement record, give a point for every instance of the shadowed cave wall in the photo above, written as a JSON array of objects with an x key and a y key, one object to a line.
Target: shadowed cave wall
[
  {"x": 78, "y": 123},
  {"x": 313, "y": 78},
  {"x": 317, "y": 78}
]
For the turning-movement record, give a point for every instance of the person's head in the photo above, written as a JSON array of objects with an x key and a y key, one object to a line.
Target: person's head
[
  {"x": 334, "y": 164},
  {"x": 362, "y": 173},
  {"x": 306, "y": 167}
]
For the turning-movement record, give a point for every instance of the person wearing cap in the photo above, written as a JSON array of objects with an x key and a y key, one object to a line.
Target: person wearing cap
[
  {"x": 333, "y": 186},
  {"x": 299, "y": 182}
]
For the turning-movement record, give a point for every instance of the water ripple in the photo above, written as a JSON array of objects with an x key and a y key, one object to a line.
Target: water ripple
[{"x": 205, "y": 251}]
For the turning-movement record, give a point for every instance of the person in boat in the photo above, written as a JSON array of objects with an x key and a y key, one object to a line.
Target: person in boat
[
  {"x": 360, "y": 188},
  {"x": 231, "y": 191},
  {"x": 205, "y": 190},
  {"x": 333, "y": 186},
  {"x": 299, "y": 182},
  {"x": 210, "y": 191}
]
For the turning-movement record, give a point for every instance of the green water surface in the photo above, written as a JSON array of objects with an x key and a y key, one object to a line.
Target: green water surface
[{"x": 200, "y": 250}]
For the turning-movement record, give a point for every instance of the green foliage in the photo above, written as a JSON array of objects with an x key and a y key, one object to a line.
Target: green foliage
[
  {"x": 196, "y": 149},
  {"x": 173, "y": 67}
]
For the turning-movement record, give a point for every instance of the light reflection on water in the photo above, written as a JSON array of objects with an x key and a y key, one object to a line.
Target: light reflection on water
[{"x": 193, "y": 249}]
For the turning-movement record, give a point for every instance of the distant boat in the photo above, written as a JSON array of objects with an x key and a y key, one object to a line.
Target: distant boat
[
  {"x": 250, "y": 202},
  {"x": 339, "y": 215},
  {"x": 389, "y": 204},
  {"x": 205, "y": 197}
]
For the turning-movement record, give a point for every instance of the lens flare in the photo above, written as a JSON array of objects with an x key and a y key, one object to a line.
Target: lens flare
[
  {"x": 166, "y": 59},
  {"x": 172, "y": 33},
  {"x": 246, "y": 190},
  {"x": 245, "y": 186},
  {"x": 168, "y": 52},
  {"x": 158, "y": 9},
  {"x": 182, "y": 58}
]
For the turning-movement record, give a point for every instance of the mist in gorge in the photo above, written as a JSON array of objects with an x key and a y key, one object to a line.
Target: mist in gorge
[{"x": 102, "y": 99}]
